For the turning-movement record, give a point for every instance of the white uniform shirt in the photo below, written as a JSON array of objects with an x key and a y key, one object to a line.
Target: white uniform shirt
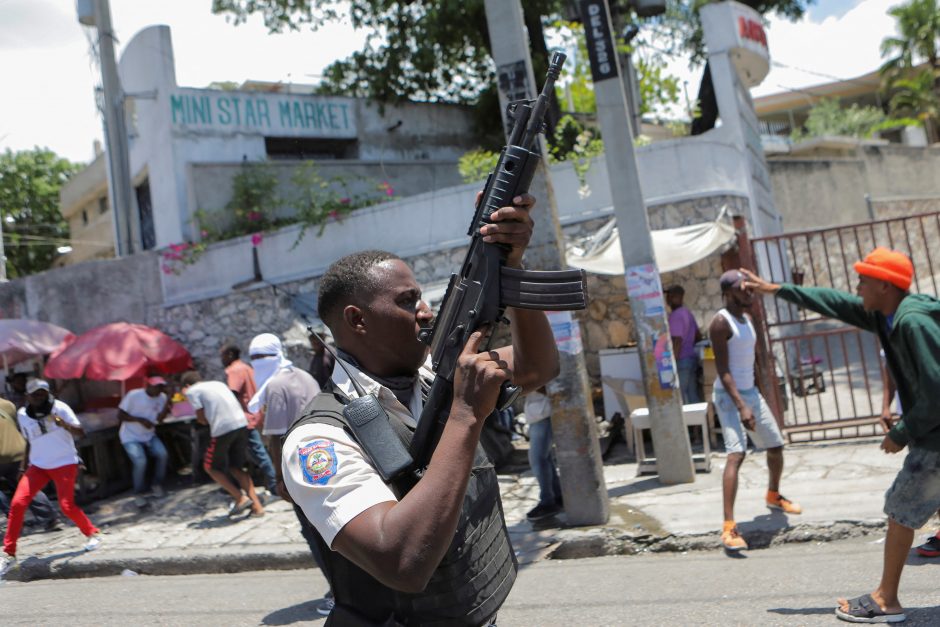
[
  {"x": 222, "y": 409},
  {"x": 137, "y": 403},
  {"x": 326, "y": 471},
  {"x": 55, "y": 447}
]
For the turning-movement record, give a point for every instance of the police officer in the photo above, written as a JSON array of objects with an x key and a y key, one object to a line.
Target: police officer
[{"x": 411, "y": 551}]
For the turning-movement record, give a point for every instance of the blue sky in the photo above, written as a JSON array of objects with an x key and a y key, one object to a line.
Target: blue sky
[{"x": 831, "y": 8}]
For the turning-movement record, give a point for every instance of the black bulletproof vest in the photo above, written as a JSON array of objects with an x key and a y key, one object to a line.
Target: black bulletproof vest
[{"x": 472, "y": 580}]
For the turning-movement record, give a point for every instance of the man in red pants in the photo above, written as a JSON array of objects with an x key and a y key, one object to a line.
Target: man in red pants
[{"x": 48, "y": 425}]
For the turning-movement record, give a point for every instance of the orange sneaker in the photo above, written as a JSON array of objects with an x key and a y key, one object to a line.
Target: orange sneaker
[
  {"x": 775, "y": 500},
  {"x": 731, "y": 539}
]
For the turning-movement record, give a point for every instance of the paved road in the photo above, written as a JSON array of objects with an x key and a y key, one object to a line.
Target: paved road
[{"x": 791, "y": 585}]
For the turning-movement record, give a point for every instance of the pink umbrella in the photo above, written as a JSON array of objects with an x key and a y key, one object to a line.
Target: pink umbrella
[
  {"x": 117, "y": 352},
  {"x": 22, "y": 339}
]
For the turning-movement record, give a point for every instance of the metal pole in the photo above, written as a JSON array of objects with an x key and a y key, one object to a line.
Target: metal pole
[
  {"x": 670, "y": 436},
  {"x": 575, "y": 430},
  {"x": 3, "y": 256},
  {"x": 115, "y": 134}
]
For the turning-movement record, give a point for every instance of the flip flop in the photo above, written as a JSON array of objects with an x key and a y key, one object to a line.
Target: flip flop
[
  {"x": 863, "y": 609},
  {"x": 238, "y": 508}
]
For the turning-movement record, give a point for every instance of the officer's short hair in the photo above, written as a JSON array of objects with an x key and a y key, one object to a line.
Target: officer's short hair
[
  {"x": 348, "y": 280},
  {"x": 231, "y": 348}
]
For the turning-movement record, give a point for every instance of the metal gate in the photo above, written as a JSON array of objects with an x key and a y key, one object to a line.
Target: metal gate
[{"x": 830, "y": 374}]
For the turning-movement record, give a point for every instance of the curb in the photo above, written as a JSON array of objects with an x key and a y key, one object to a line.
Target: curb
[
  {"x": 570, "y": 544},
  {"x": 165, "y": 562},
  {"x": 607, "y": 541}
]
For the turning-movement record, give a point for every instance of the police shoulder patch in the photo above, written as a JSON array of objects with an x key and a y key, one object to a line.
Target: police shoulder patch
[{"x": 318, "y": 461}]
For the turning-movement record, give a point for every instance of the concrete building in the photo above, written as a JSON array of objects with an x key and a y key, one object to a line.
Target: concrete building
[
  {"x": 186, "y": 144},
  {"x": 782, "y": 113}
]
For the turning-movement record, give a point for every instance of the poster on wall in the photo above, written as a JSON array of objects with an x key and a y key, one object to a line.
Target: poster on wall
[
  {"x": 566, "y": 330},
  {"x": 645, "y": 290}
]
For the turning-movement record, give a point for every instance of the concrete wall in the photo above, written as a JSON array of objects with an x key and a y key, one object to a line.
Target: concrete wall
[
  {"x": 212, "y": 182},
  {"x": 86, "y": 295},
  {"x": 819, "y": 192}
]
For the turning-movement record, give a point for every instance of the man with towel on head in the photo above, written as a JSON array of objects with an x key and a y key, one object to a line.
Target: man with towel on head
[{"x": 283, "y": 391}]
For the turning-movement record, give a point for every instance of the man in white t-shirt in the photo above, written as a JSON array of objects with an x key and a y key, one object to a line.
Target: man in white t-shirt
[
  {"x": 49, "y": 427},
  {"x": 227, "y": 454},
  {"x": 139, "y": 412}
]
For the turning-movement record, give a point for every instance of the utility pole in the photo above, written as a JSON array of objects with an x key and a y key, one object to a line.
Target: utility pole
[
  {"x": 126, "y": 229},
  {"x": 573, "y": 423},
  {"x": 3, "y": 256},
  {"x": 644, "y": 288}
]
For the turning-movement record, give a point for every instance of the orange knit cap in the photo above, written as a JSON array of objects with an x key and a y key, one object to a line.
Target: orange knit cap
[{"x": 887, "y": 265}]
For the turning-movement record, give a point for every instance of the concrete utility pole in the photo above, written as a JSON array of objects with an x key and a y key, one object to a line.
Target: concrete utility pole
[
  {"x": 573, "y": 423},
  {"x": 644, "y": 288},
  {"x": 125, "y": 220},
  {"x": 3, "y": 256}
]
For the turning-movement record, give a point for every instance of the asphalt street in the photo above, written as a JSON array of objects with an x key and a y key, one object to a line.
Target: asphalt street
[{"x": 789, "y": 585}]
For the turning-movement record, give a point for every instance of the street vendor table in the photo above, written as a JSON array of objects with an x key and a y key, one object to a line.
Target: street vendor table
[
  {"x": 103, "y": 456},
  {"x": 183, "y": 415}
]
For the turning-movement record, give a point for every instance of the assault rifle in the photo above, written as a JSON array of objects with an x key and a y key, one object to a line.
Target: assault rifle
[{"x": 480, "y": 293}]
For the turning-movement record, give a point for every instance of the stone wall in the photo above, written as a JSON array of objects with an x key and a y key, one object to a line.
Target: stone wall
[{"x": 608, "y": 321}]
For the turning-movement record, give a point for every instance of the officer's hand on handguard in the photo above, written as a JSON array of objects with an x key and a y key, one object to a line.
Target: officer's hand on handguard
[
  {"x": 477, "y": 380},
  {"x": 757, "y": 284},
  {"x": 512, "y": 226}
]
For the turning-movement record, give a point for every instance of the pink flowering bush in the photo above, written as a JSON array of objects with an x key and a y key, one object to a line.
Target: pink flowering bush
[
  {"x": 321, "y": 200},
  {"x": 175, "y": 257}
]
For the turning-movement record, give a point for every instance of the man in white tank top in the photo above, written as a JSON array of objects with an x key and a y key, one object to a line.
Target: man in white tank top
[{"x": 742, "y": 411}]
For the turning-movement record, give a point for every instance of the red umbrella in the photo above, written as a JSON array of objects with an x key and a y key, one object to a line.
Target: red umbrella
[{"x": 117, "y": 352}]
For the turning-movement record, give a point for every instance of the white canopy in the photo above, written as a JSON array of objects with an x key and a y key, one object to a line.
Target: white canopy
[{"x": 675, "y": 248}]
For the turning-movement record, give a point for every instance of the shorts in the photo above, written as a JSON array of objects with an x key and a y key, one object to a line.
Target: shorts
[
  {"x": 915, "y": 494},
  {"x": 766, "y": 435},
  {"x": 229, "y": 450}
]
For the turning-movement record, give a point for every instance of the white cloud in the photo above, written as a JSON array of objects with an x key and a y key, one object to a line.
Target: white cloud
[
  {"x": 49, "y": 79},
  {"x": 843, "y": 47}
]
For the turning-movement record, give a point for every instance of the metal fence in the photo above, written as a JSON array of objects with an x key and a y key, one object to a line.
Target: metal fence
[{"x": 830, "y": 374}]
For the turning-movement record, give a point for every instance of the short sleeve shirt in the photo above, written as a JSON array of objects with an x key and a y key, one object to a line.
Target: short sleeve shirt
[
  {"x": 682, "y": 324},
  {"x": 138, "y": 403},
  {"x": 241, "y": 380},
  {"x": 50, "y": 446},
  {"x": 288, "y": 392},
  {"x": 220, "y": 406},
  {"x": 325, "y": 470}
]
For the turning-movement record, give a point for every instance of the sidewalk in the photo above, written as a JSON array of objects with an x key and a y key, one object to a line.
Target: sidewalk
[{"x": 840, "y": 486}]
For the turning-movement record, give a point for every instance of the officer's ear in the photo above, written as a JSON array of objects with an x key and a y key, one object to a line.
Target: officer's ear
[{"x": 354, "y": 320}]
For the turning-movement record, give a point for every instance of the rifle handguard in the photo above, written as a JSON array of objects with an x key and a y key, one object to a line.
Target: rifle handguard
[{"x": 543, "y": 290}]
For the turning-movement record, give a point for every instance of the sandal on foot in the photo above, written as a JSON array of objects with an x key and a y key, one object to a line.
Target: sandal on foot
[
  {"x": 238, "y": 508},
  {"x": 863, "y": 609}
]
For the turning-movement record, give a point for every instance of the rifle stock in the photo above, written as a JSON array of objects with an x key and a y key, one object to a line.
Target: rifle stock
[{"x": 480, "y": 293}]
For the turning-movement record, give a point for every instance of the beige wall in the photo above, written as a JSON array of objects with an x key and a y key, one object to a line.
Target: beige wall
[
  {"x": 81, "y": 202},
  {"x": 820, "y": 191}
]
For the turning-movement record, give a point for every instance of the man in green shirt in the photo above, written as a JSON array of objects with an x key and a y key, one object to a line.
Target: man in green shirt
[{"x": 908, "y": 326}]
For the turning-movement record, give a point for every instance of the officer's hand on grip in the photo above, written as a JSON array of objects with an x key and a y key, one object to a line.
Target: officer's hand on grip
[{"x": 477, "y": 379}]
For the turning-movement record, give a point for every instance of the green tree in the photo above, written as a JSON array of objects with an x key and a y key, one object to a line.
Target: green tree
[
  {"x": 918, "y": 24},
  {"x": 431, "y": 50},
  {"x": 914, "y": 92},
  {"x": 829, "y": 118},
  {"x": 915, "y": 96},
  {"x": 33, "y": 228},
  {"x": 656, "y": 87}
]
